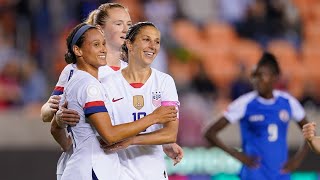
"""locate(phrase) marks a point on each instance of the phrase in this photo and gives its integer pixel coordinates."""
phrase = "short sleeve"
(170, 90)
(236, 110)
(64, 77)
(92, 98)
(298, 112)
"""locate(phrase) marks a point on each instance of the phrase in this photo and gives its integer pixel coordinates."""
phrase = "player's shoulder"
(113, 77)
(160, 75)
(69, 67)
(283, 94)
(83, 78)
(247, 97)
(66, 74)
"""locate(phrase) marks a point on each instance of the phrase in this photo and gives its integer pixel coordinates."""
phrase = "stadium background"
(208, 46)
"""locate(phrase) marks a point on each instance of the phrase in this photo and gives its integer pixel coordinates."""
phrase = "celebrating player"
(114, 20)
(85, 94)
(137, 91)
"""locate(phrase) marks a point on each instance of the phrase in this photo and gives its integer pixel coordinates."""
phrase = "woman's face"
(93, 49)
(263, 79)
(116, 27)
(146, 45)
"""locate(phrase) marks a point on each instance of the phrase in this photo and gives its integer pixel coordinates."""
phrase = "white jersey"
(70, 69)
(127, 104)
(85, 94)
(65, 76)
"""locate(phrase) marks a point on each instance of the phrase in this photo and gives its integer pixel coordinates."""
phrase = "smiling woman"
(142, 89)
(85, 95)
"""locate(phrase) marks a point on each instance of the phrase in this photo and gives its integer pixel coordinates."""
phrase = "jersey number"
(273, 132)
(138, 115)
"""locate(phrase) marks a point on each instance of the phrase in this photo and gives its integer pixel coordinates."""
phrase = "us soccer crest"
(156, 98)
(138, 101)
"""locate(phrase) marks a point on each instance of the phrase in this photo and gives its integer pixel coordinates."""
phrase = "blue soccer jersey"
(264, 125)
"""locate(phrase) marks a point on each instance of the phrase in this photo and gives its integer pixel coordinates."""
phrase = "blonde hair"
(99, 16)
(91, 18)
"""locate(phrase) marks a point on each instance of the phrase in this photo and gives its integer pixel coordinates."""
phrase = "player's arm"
(298, 113)
(61, 119)
(52, 105)
(309, 133)
(211, 134)
(50, 108)
(165, 135)
(294, 162)
(59, 134)
(112, 134)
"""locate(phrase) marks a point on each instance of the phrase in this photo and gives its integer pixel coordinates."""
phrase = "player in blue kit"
(264, 115)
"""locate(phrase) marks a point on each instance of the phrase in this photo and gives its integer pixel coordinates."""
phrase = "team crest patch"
(138, 101)
(284, 115)
(156, 98)
(93, 91)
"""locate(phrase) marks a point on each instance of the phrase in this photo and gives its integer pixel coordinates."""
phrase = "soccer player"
(309, 133)
(85, 94)
(137, 91)
(264, 115)
(114, 20)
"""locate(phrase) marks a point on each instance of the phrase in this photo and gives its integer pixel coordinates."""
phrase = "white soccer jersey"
(127, 104)
(65, 76)
(70, 69)
(85, 94)
(104, 71)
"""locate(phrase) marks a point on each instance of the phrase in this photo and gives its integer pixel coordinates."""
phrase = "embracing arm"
(59, 134)
(165, 135)
(50, 108)
(112, 134)
(62, 118)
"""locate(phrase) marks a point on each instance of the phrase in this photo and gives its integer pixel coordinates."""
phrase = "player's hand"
(250, 161)
(67, 116)
(53, 103)
(173, 151)
(164, 114)
(117, 146)
(309, 131)
(291, 165)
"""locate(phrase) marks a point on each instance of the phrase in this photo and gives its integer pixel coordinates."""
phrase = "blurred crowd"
(208, 46)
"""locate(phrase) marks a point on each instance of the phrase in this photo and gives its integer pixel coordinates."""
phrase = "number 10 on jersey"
(138, 115)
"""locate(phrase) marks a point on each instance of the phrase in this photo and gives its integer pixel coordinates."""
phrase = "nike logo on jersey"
(115, 100)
